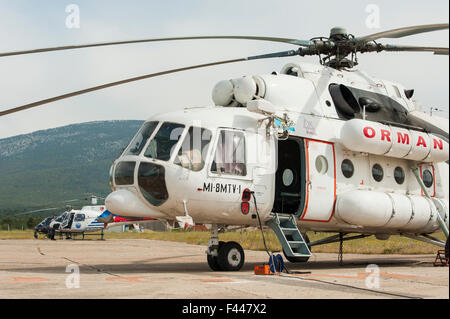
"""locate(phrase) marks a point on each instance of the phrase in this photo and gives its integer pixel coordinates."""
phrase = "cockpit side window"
(194, 149)
(162, 145)
(141, 138)
(61, 217)
(79, 217)
(230, 154)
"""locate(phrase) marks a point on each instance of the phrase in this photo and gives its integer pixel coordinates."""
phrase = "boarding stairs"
(290, 237)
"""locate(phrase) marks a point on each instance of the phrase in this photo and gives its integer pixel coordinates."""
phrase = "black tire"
(231, 256)
(446, 249)
(212, 263)
(298, 259)
(212, 260)
(35, 234)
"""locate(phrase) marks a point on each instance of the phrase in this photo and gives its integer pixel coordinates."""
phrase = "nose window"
(124, 173)
(151, 179)
(230, 154)
(141, 138)
(162, 145)
(194, 149)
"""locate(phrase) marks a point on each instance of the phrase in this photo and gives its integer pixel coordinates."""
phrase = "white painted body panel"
(321, 186)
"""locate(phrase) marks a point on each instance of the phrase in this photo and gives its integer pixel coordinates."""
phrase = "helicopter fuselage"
(345, 166)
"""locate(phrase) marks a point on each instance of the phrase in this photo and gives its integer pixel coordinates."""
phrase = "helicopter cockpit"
(65, 219)
(181, 157)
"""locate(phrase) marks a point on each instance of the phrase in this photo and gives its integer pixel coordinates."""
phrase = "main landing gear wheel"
(231, 256)
(35, 235)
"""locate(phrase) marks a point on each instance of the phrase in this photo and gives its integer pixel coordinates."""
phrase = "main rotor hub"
(338, 33)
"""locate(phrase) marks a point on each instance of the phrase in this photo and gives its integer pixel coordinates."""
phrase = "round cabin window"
(288, 177)
(321, 164)
(347, 168)
(427, 178)
(377, 172)
(399, 175)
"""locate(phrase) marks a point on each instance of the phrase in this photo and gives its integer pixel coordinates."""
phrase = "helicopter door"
(290, 177)
(69, 221)
(320, 182)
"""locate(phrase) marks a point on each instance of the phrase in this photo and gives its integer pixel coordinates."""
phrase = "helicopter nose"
(125, 203)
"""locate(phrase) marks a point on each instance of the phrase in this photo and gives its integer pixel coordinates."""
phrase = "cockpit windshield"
(141, 138)
(46, 221)
(161, 146)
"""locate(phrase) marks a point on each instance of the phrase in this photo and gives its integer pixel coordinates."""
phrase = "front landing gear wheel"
(212, 260)
(231, 256)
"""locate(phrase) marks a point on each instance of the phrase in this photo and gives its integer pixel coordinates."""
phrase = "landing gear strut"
(224, 256)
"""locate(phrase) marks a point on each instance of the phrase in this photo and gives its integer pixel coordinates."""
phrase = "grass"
(252, 240)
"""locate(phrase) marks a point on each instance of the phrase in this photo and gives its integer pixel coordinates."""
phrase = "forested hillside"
(44, 168)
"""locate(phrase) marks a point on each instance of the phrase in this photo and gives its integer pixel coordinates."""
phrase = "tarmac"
(152, 269)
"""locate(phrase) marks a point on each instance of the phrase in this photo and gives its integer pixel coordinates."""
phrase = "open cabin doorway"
(290, 179)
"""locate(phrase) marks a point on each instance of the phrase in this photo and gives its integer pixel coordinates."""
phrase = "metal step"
(282, 216)
(285, 227)
(288, 231)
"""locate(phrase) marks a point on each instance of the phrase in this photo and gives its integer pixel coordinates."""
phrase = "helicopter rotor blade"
(36, 211)
(403, 48)
(142, 77)
(402, 32)
(72, 47)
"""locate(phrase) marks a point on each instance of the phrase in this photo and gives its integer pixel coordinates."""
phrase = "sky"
(35, 24)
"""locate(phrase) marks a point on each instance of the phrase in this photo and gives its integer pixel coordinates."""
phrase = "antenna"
(434, 109)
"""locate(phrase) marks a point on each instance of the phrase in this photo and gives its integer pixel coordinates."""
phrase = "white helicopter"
(90, 218)
(315, 147)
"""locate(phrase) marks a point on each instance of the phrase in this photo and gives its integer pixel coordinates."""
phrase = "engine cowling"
(379, 139)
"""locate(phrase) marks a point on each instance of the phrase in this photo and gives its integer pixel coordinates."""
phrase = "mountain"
(47, 167)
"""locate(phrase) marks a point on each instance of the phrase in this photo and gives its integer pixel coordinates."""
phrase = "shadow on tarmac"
(156, 265)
